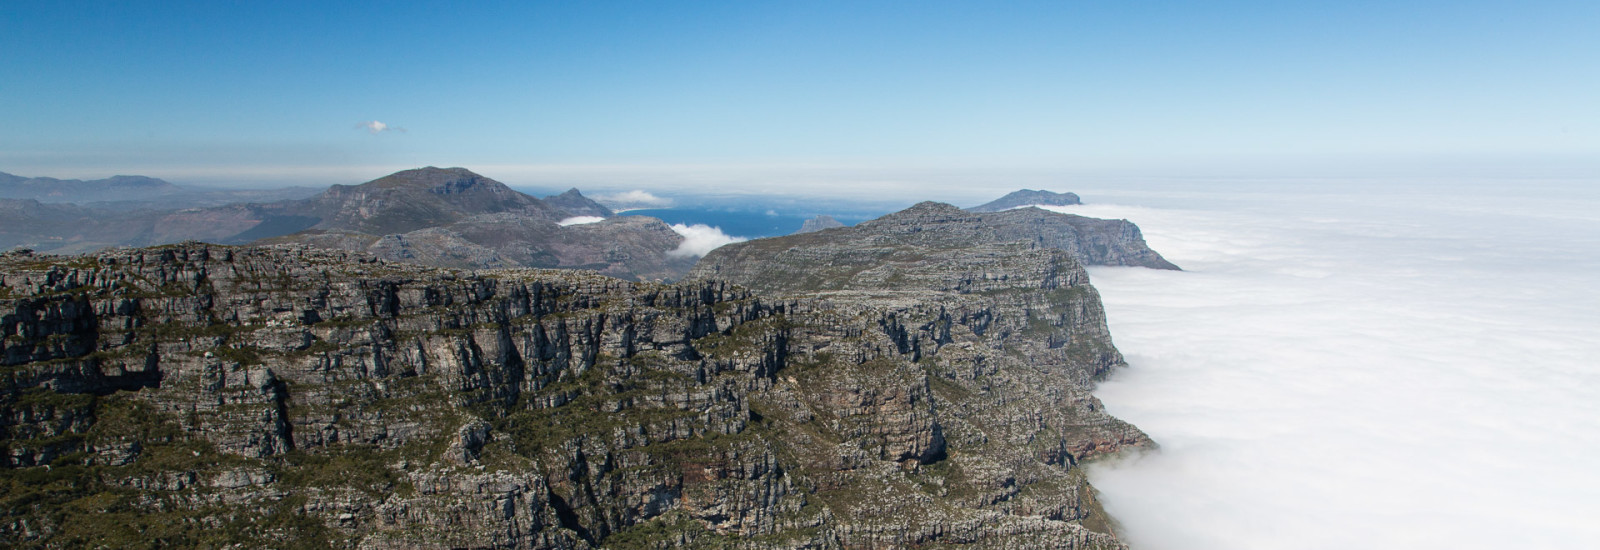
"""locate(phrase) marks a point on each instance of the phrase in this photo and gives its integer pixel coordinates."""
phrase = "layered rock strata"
(208, 396)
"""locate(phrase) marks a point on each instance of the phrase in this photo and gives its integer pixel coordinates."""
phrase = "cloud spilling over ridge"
(375, 127)
(632, 200)
(580, 220)
(1407, 370)
(698, 239)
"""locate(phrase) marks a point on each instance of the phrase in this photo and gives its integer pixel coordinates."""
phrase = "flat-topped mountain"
(819, 223)
(1027, 197)
(832, 258)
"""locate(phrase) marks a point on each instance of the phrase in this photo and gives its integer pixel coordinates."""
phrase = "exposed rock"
(574, 203)
(212, 396)
(416, 199)
(1027, 197)
(819, 223)
(805, 261)
(626, 247)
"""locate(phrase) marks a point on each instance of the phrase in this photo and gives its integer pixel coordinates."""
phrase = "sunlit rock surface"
(199, 395)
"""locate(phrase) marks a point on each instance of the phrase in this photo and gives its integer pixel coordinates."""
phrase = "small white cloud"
(580, 220)
(699, 239)
(633, 200)
(375, 127)
(772, 212)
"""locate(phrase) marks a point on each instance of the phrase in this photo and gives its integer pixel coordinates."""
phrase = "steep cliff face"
(200, 395)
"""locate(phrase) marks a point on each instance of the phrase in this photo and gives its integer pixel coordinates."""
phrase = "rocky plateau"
(917, 381)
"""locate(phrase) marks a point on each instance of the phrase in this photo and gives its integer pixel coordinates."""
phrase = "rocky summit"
(211, 396)
(1028, 197)
(573, 203)
(819, 223)
(452, 217)
(881, 252)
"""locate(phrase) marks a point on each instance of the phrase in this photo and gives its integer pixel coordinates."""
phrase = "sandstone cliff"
(206, 396)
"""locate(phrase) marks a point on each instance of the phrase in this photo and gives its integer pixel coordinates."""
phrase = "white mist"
(1391, 367)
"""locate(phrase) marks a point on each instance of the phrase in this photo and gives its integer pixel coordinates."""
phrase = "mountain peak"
(819, 223)
(574, 203)
(436, 180)
(413, 199)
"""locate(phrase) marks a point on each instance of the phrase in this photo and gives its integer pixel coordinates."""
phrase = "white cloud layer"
(375, 127)
(1407, 369)
(698, 239)
(580, 220)
(632, 200)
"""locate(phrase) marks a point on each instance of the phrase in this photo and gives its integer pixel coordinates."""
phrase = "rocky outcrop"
(416, 199)
(199, 395)
(457, 219)
(800, 262)
(573, 203)
(819, 223)
(1027, 197)
(627, 247)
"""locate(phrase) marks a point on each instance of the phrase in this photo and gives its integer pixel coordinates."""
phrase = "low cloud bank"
(1413, 369)
(580, 220)
(633, 200)
(698, 239)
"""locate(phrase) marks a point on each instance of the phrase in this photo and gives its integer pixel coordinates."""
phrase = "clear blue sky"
(274, 91)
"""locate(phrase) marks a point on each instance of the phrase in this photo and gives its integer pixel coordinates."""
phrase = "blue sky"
(739, 92)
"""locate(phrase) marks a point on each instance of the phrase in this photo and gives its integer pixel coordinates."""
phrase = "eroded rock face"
(200, 395)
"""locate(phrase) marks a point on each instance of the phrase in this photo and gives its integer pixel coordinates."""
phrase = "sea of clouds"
(699, 239)
(1395, 366)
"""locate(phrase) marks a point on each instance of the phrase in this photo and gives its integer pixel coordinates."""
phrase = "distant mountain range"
(452, 217)
(115, 188)
(135, 192)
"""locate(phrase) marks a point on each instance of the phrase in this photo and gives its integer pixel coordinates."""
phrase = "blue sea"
(747, 224)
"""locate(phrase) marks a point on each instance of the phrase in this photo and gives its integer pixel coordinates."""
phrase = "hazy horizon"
(732, 95)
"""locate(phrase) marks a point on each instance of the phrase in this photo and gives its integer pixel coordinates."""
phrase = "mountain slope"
(415, 199)
(1027, 197)
(573, 203)
(823, 258)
